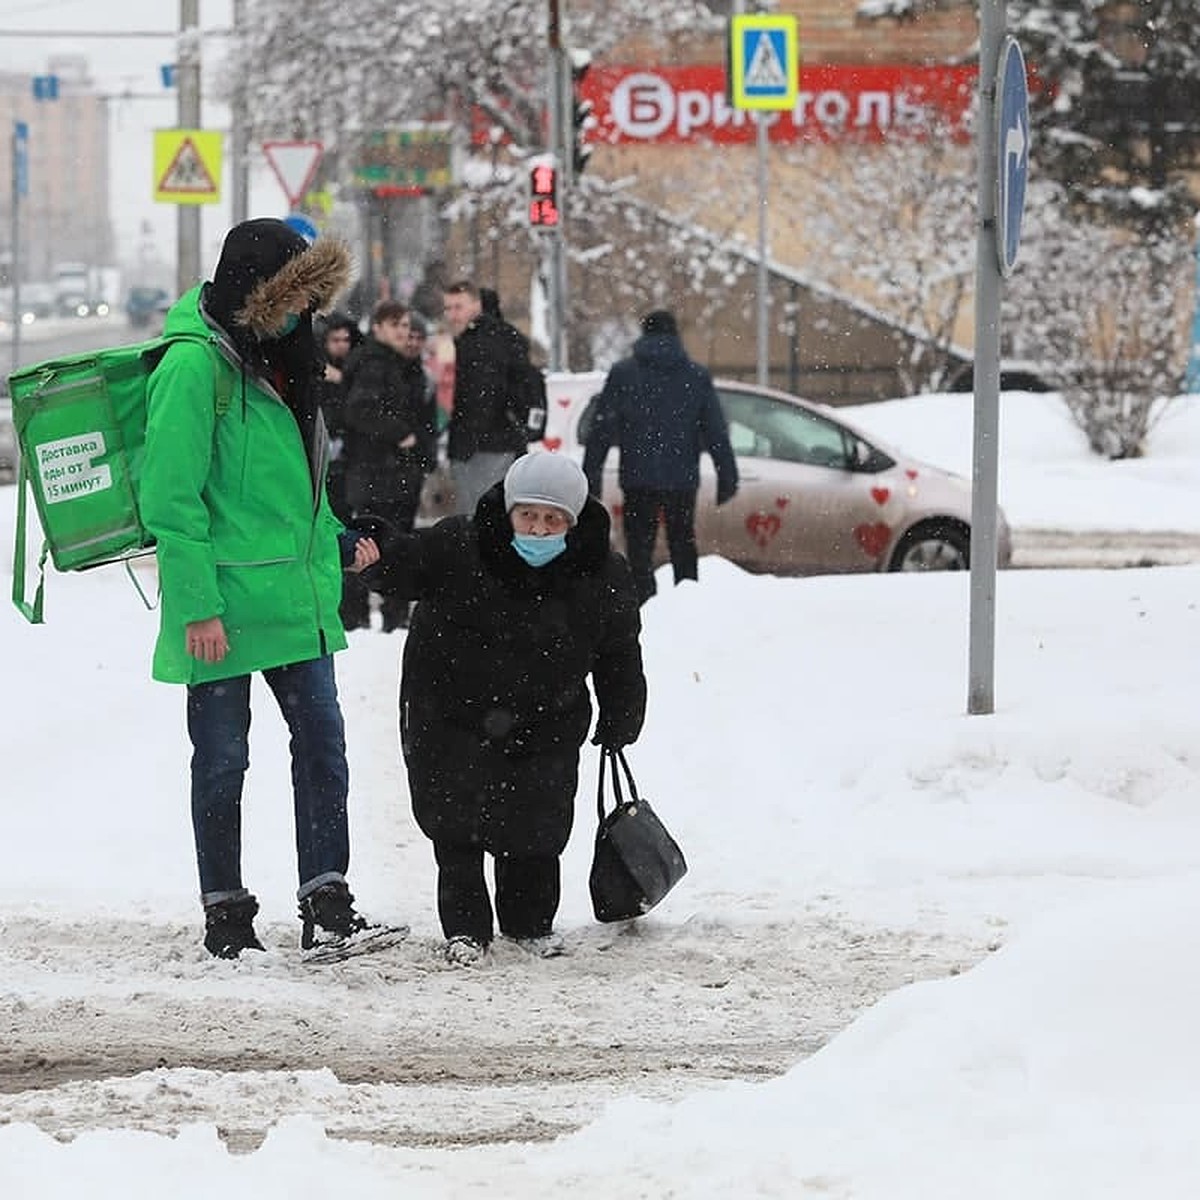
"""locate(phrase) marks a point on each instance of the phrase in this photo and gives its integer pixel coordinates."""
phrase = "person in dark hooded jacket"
(496, 395)
(250, 565)
(517, 607)
(662, 410)
(389, 434)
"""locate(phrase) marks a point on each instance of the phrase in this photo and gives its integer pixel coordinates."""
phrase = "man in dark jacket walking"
(492, 400)
(517, 607)
(662, 410)
(389, 436)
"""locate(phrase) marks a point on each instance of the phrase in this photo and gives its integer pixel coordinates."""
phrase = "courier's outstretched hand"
(366, 554)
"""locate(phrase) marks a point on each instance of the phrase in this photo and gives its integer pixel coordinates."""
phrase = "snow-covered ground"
(918, 954)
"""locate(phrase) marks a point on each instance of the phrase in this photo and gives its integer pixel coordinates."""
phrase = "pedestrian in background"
(661, 409)
(418, 342)
(249, 564)
(389, 445)
(340, 337)
(516, 608)
(531, 382)
(492, 395)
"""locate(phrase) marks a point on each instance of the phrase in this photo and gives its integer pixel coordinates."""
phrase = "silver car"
(819, 496)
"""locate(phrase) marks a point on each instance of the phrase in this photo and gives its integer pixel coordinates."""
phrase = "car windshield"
(763, 427)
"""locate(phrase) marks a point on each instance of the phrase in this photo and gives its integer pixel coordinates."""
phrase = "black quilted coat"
(494, 703)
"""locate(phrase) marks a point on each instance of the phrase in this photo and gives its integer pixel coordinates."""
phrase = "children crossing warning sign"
(764, 67)
(187, 166)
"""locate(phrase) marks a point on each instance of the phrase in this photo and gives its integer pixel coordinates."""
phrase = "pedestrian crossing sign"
(764, 61)
(187, 166)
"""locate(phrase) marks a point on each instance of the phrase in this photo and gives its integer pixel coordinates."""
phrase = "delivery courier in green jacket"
(250, 563)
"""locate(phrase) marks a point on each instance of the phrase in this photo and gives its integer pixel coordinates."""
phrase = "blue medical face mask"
(538, 551)
(289, 324)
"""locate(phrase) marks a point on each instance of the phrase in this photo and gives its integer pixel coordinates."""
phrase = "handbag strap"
(618, 757)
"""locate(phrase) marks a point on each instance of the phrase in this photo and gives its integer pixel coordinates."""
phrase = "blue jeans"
(218, 719)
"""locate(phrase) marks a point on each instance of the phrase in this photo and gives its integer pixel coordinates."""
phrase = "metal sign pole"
(981, 669)
(763, 76)
(763, 373)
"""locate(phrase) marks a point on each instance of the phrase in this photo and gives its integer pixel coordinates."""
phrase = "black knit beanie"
(253, 251)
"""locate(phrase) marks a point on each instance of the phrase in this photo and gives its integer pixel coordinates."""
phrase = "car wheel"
(933, 546)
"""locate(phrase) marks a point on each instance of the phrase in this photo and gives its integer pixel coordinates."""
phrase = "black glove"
(367, 524)
(606, 739)
(726, 490)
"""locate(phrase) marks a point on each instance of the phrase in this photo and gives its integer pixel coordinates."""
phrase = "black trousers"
(642, 511)
(527, 893)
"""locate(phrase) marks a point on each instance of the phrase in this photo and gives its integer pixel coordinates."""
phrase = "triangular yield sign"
(766, 70)
(295, 166)
(187, 173)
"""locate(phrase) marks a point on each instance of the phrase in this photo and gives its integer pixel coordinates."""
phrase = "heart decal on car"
(873, 538)
(762, 527)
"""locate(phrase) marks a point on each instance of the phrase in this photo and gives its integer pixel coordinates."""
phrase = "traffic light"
(583, 119)
(544, 212)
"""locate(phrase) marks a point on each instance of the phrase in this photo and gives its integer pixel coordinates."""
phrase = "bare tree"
(1107, 314)
(895, 224)
(393, 61)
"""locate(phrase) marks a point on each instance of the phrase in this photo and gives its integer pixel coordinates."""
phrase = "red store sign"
(640, 105)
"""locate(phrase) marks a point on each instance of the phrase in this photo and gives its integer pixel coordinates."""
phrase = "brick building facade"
(838, 350)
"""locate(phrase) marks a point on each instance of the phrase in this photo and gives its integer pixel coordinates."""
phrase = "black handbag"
(636, 861)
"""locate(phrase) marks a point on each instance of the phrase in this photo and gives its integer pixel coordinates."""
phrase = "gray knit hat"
(544, 477)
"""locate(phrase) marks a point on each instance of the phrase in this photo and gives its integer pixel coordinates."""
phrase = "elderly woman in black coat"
(517, 607)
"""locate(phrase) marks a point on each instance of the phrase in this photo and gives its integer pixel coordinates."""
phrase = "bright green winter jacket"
(242, 523)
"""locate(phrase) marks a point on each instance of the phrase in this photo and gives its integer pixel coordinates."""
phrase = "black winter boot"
(229, 927)
(331, 907)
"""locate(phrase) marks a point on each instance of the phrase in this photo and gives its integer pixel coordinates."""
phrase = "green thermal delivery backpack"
(81, 429)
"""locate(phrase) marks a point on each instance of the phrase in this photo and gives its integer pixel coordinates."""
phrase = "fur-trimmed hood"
(266, 271)
(310, 282)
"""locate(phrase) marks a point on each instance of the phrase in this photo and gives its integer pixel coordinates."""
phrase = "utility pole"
(187, 258)
(556, 266)
(239, 149)
(20, 177)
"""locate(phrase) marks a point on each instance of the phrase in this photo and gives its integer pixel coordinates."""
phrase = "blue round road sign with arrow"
(1012, 151)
